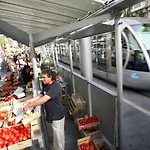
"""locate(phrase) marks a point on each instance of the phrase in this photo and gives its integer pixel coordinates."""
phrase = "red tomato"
(83, 146)
(10, 143)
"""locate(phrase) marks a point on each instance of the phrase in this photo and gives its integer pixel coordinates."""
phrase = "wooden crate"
(35, 130)
(20, 145)
(76, 112)
(102, 145)
(94, 132)
(85, 140)
(4, 148)
(87, 125)
(78, 100)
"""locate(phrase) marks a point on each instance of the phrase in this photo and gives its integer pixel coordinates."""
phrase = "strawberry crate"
(101, 145)
(87, 122)
(86, 143)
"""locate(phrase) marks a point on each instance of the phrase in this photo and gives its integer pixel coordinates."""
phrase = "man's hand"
(26, 105)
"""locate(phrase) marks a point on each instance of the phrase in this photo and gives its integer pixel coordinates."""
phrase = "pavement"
(136, 118)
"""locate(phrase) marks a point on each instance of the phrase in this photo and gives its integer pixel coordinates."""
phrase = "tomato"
(83, 146)
(25, 138)
(91, 143)
(82, 121)
(21, 127)
(6, 137)
(90, 147)
(10, 143)
(1, 146)
(29, 136)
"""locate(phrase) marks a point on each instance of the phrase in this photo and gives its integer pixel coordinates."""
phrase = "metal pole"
(89, 98)
(119, 81)
(54, 58)
(71, 66)
(34, 63)
(56, 54)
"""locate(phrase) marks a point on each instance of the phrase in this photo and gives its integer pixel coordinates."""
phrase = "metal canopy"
(50, 35)
(104, 14)
(38, 15)
(90, 31)
(48, 19)
(14, 32)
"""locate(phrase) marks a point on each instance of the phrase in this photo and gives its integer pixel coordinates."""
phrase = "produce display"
(9, 98)
(14, 134)
(3, 115)
(84, 123)
(90, 129)
(86, 144)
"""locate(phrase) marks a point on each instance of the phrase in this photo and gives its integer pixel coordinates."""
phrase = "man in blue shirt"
(51, 97)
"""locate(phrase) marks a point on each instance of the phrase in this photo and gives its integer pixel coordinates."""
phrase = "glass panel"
(124, 49)
(101, 54)
(143, 30)
(137, 60)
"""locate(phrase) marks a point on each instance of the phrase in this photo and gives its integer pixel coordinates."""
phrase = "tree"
(3, 42)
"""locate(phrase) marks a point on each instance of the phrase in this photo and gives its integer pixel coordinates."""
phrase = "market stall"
(19, 129)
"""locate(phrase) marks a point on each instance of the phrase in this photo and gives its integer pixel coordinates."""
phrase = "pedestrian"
(51, 97)
(25, 76)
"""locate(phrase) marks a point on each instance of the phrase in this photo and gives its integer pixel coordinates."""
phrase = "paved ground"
(136, 119)
(71, 133)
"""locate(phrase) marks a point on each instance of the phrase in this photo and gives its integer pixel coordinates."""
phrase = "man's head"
(48, 76)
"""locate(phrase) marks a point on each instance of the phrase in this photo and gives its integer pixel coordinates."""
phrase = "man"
(51, 97)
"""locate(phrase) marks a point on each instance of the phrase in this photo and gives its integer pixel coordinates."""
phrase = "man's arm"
(32, 99)
(39, 101)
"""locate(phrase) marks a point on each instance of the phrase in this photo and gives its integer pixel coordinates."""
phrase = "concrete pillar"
(86, 66)
(86, 58)
(36, 85)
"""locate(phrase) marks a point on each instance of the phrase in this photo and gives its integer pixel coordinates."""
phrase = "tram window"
(124, 50)
(137, 60)
(101, 54)
(58, 52)
(143, 31)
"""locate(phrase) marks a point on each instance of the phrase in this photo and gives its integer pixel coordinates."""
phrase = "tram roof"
(47, 19)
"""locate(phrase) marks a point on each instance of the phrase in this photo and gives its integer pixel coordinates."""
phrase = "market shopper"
(51, 97)
(25, 76)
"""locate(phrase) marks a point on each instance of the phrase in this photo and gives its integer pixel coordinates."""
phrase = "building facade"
(141, 9)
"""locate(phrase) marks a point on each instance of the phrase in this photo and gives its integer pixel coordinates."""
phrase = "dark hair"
(25, 68)
(49, 73)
